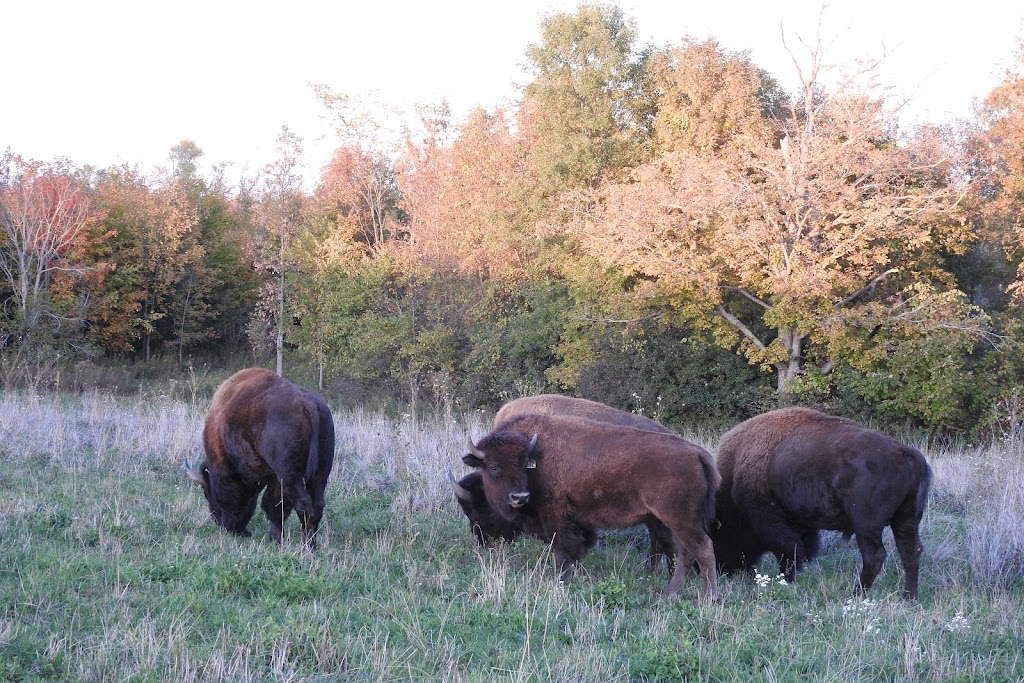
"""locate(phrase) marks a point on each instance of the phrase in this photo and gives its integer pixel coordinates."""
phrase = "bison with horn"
(264, 434)
(489, 527)
(567, 476)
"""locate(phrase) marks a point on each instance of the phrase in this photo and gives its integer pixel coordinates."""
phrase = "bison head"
(231, 506)
(488, 526)
(502, 460)
(737, 548)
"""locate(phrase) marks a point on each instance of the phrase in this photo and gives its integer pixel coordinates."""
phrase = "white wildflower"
(958, 623)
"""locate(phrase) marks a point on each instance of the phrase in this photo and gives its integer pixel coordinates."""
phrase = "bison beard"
(789, 473)
(582, 475)
(265, 434)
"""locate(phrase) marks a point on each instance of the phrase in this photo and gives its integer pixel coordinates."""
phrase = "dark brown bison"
(567, 476)
(788, 473)
(488, 526)
(265, 433)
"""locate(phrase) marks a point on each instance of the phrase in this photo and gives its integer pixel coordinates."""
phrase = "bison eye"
(494, 468)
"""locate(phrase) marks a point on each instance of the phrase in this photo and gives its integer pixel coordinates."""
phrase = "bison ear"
(472, 460)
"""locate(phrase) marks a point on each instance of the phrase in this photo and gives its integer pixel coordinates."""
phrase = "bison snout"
(518, 499)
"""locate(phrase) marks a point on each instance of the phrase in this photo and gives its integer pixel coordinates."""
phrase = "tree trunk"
(790, 370)
(280, 309)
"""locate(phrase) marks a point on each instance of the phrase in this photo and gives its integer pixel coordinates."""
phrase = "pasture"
(111, 570)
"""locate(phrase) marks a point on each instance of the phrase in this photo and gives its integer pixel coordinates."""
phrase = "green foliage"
(590, 93)
(459, 274)
(935, 370)
(674, 661)
(511, 338)
(677, 378)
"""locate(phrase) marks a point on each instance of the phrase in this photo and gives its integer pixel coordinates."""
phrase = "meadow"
(111, 570)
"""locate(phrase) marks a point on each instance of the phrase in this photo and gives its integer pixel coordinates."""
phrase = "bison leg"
(310, 523)
(812, 544)
(694, 545)
(784, 542)
(793, 558)
(660, 546)
(872, 553)
(690, 543)
(277, 508)
(908, 543)
(569, 544)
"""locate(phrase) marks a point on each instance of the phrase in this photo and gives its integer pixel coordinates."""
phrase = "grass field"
(110, 570)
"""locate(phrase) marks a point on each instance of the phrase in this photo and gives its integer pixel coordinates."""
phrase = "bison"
(567, 476)
(264, 433)
(556, 404)
(488, 526)
(789, 473)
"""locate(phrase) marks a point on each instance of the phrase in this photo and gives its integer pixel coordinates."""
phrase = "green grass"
(110, 570)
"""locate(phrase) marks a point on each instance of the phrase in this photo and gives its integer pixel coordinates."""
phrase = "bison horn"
(460, 491)
(533, 445)
(474, 450)
(194, 475)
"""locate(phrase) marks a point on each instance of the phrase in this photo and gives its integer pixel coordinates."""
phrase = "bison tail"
(709, 513)
(313, 460)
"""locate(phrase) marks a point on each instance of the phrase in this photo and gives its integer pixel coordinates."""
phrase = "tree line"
(662, 228)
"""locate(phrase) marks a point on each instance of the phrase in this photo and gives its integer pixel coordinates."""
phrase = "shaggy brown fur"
(265, 433)
(488, 526)
(592, 475)
(556, 404)
(788, 473)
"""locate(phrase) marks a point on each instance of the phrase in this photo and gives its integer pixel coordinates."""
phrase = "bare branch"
(738, 324)
(868, 287)
(747, 294)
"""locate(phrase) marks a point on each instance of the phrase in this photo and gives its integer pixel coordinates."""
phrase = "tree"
(278, 214)
(184, 167)
(169, 254)
(999, 149)
(588, 103)
(116, 320)
(709, 98)
(362, 189)
(172, 266)
(361, 178)
(325, 257)
(795, 228)
(46, 214)
(468, 200)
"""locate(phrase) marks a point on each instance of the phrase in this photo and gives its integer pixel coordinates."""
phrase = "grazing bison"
(265, 433)
(788, 473)
(488, 526)
(568, 476)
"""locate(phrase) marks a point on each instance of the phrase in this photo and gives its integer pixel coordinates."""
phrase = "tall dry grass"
(111, 570)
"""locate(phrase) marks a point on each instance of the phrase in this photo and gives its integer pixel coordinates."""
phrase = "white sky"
(111, 81)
